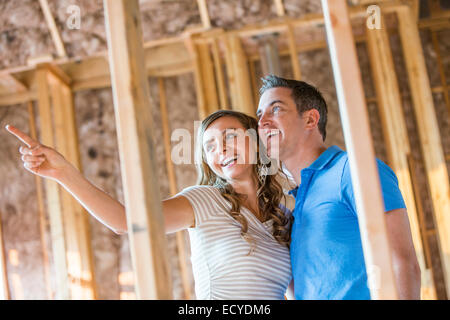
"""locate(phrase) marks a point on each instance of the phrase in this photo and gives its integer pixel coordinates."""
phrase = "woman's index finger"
(30, 142)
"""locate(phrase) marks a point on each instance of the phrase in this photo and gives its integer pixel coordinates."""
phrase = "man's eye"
(209, 148)
(230, 135)
(275, 109)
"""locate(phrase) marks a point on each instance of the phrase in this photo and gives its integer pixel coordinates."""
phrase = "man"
(326, 250)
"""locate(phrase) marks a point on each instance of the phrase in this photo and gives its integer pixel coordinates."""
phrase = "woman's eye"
(209, 148)
(230, 135)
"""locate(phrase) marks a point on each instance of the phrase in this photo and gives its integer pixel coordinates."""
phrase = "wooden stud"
(427, 126)
(4, 290)
(202, 104)
(445, 88)
(180, 235)
(76, 224)
(204, 15)
(417, 188)
(280, 8)
(240, 79)
(41, 209)
(134, 129)
(255, 89)
(396, 136)
(207, 78)
(229, 65)
(56, 37)
(293, 52)
(361, 154)
(219, 75)
(52, 189)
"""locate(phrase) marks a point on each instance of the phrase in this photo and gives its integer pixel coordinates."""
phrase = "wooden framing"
(239, 77)
(396, 136)
(52, 190)
(293, 53)
(180, 235)
(429, 136)
(68, 221)
(219, 75)
(41, 209)
(4, 285)
(280, 8)
(204, 15)
(168, 57)
(76, 224)
(361, 154)
(135, 139)
(445, 87)
(206, 80)
(56, 37)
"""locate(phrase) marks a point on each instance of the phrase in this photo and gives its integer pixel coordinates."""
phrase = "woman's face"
(229, 149)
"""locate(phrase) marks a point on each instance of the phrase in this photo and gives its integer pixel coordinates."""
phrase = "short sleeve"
(392, 196)
(203, 201)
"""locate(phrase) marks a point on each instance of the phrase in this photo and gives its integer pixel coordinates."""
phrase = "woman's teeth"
(229, 161)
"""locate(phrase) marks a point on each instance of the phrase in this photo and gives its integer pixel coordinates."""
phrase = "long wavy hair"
(269, 191)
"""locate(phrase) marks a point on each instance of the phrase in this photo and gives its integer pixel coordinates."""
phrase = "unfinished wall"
(23, 34)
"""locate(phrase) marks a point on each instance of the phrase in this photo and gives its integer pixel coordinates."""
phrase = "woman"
(239, 234)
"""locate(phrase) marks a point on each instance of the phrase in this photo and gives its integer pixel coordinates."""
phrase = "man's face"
(280, 127)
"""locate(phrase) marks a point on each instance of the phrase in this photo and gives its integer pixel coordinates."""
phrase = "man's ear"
(312, 118)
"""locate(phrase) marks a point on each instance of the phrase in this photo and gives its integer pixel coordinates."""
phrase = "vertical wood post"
(68, 220)
(361, 155)
(396, 136)
(428, 128)
(76, 224)
(4, 290)
(52, 190)
(41, 208)
(173, 186)
(239, 77)
(134, 130)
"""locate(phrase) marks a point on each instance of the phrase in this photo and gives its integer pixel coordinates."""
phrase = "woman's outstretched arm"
(48, 163)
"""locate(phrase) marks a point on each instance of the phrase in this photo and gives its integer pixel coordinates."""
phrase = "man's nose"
(263, 120)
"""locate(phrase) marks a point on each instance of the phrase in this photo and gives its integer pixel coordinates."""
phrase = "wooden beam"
(56, 37)
(204, 15)
(293, 52)
(429, 135)
(279, 6)
(4, 291)
(239, 77)
(76, 224)
(418, 190)
(361, 154)
(437, 51)
(222, 90)
(41, 209)
(134, 129)
(396, 136)
(207, 77)
(11, 83)
(52, 189)
(180, 235)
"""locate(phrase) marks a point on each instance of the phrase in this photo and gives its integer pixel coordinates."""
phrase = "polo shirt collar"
(325, 158)
(320, 163)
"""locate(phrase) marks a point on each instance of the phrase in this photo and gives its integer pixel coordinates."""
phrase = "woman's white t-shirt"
(221, 263)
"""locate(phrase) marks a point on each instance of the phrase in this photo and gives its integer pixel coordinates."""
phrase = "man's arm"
(404, 259)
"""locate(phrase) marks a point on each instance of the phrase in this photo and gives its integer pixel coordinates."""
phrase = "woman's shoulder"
(201, 189)
(206, 201)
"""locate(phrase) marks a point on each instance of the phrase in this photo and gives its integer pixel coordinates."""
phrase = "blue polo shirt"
(326, 251)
